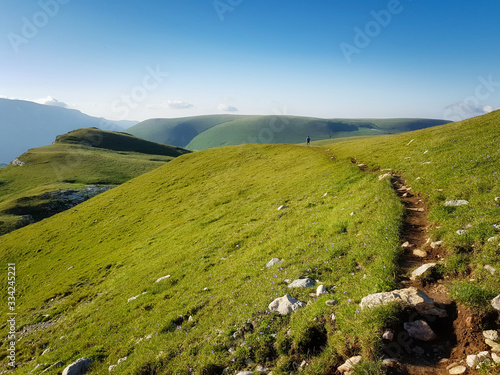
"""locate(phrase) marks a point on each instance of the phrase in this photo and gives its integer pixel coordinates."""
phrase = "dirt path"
(459, 333)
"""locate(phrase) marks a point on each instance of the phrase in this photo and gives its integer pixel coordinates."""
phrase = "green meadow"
(209, 221)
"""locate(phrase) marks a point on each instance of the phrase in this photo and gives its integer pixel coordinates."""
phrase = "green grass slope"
(177, 131)
(203, 132)
(457, 161)
(81, 157)
(210, 220)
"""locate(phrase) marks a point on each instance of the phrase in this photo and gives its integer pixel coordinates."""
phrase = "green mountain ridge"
(75, 160)
(169, 268)
(202, 132)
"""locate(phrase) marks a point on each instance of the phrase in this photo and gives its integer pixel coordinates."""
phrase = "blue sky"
(326, 58)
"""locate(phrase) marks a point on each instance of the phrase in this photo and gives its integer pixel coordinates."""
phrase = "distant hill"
(202, 132)
(74, 161)
(25, 125)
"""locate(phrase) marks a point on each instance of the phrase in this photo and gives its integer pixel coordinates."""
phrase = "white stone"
(492, 335)
(495, 357)
(81, 366)
(282, 207)
(420, 253)
(245, 373)
(321, 290)
(493, 239)
(458, 370)
(495, 346)
(273, 261)
(162, 278)
(261, 369)
(456, 203)
(436, 244)
(406, 244)
(302, 283)
(420, 330)
(495, 303)
(490, 269)
(334, 317)
(331, 302)
(388, 335)
(349, 364)
(111, 368)
(410, 296)
(286, 305)
(421, 270)
(122, 360)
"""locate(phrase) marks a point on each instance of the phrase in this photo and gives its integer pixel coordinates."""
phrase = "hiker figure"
(308, 141)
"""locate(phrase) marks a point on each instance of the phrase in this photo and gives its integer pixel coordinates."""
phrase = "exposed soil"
(460, 333)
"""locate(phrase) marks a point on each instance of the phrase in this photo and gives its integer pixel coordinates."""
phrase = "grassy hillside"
(202, 132)
(82, 157)
(210, 222)
(177, 131)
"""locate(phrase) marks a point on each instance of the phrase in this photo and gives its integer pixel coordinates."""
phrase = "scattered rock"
(81, 366)
(273, 261)
(112, 368)
(497, 199)
(492, 335)
(406, 245)
(321, 290)
(282, 207)
(381, 177)
(420, 253)
(420, 330)
(493, 239)
(410, 296)
(421, 270)
(331, 302)
(436, 244)
(430, 309)
(458, 370)
(388, 335)
(261, 369)
(245, 373)
(302, 283)
(476, 360)
(348, 365)
(495, 357)
(286, 305)
(162, 278)
(135, 297)
(17, 162)
(390, 363)
(495, 346)
(122, 360)
(456, 203)
(495, 303)
(334, 317)
(490, 269)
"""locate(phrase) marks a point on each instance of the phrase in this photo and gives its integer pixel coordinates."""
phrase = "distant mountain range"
(203, 132)
(25, 124)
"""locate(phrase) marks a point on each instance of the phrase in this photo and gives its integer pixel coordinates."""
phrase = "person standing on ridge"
(308, 141)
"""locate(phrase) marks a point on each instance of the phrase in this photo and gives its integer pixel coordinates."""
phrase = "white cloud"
(171, 104)
(461, 111)
(49, 100)
(226, 108)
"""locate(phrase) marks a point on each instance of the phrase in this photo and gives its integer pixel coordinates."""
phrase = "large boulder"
(286, 305)
(409, 296)
(80, 367)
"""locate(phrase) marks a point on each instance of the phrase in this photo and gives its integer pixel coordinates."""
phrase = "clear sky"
(326, 58)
